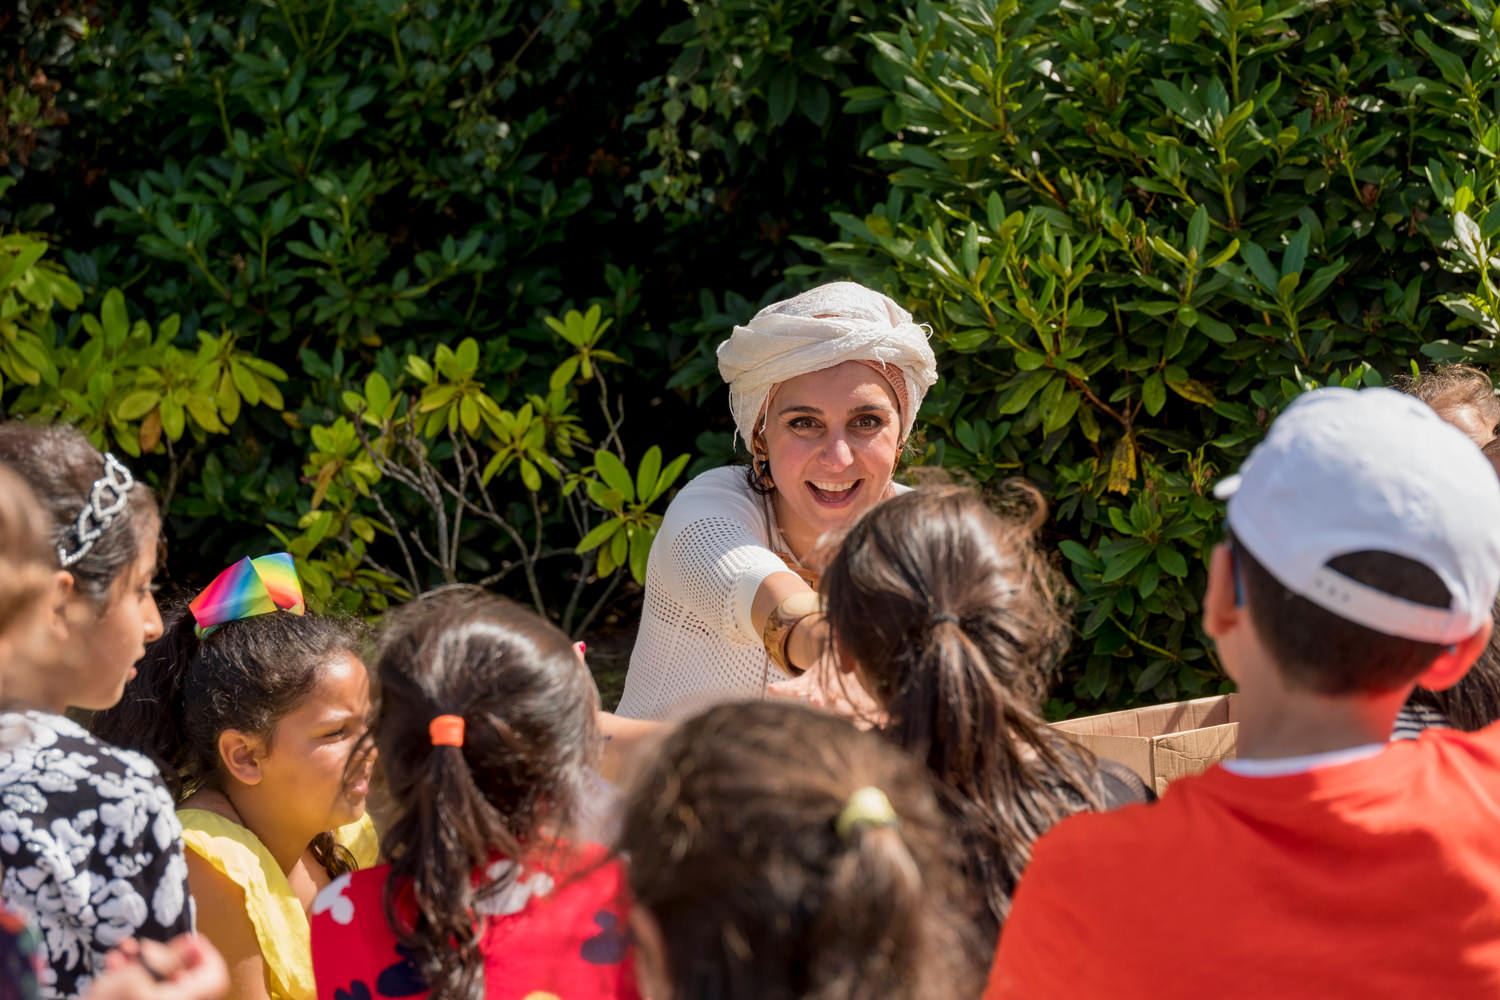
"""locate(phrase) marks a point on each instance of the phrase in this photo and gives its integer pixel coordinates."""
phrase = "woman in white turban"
(824, 388)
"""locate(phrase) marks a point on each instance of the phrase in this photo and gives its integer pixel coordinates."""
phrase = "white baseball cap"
(1349, 471)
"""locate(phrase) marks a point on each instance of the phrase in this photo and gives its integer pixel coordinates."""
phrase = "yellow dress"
(280, 923)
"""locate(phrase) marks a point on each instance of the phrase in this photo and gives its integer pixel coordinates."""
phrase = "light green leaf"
(377, 392)
(114, 317)
(640, 551)
(645, 476)
(614, 473)
(668, 477)
(530, 476)
(137, 404)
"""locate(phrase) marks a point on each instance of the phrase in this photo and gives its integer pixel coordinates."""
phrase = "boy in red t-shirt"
(1362, 557)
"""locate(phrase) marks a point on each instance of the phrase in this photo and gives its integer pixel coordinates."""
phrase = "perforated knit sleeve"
(697, 644)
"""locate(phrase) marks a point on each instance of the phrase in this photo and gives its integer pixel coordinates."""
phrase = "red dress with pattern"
(557, 932)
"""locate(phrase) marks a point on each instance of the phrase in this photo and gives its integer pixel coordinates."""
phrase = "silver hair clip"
(106, 500)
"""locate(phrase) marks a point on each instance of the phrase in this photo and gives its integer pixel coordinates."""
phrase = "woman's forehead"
(844, 386)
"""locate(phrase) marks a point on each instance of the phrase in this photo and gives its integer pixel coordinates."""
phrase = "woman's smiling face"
(832, 437)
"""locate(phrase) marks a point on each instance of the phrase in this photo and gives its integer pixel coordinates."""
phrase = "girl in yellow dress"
(252, 709)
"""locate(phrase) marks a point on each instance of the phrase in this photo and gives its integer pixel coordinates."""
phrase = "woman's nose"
(838, 453)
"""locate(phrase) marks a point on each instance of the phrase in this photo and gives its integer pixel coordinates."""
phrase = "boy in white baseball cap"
(1362, 557)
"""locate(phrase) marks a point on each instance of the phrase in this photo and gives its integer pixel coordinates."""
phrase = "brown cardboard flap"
(1177, 755)
(1155, 720)
(1161, 743)
(1132, 751)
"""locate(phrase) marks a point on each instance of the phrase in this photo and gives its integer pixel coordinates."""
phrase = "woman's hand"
(824, 686)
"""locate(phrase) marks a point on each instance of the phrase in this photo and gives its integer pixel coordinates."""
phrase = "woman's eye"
(869, 423)
(803, 423)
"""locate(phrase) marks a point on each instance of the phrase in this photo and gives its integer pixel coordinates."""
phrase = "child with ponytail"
(253, 708)
(779, 853)
(485, 731)
(89, 846)
(953, 621)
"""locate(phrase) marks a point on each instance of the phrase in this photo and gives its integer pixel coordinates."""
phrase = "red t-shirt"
(1374, 878)
(555, 930)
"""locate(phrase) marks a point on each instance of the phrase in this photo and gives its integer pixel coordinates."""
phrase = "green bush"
(433, 288)
(417, 460)
(341, 192)
(1139, 228)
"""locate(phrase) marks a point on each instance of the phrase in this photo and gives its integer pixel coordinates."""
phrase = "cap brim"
(1226, 487)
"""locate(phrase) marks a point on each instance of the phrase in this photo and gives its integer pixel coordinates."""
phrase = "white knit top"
(696, 646)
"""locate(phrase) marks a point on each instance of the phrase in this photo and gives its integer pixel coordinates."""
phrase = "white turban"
(818, 329)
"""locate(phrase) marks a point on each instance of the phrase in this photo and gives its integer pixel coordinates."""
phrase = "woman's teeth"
(833, 492)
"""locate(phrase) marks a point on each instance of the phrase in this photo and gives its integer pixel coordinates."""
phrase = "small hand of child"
(186, 968)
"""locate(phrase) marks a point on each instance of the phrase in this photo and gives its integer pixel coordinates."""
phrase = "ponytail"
(755, 852)
(955, 622)
(442, 837)
(463, 811)
(875, 893)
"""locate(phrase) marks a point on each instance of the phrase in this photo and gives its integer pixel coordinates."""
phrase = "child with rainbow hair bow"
(253, 709)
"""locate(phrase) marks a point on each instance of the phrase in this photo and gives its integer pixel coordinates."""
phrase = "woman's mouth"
(834, 494)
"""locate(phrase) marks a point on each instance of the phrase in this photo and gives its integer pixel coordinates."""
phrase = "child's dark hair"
(61, 467)
(760, 893)
(26, 559)
(1321, 652)
(244, 675)
(528, 705)
(955, 622)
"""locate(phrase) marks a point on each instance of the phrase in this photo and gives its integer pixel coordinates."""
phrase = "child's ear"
(1223, 608)
(59, 594)
(241, 754)
(1455, 660)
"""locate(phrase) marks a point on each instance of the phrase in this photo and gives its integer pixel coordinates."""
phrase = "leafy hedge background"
(428, 291)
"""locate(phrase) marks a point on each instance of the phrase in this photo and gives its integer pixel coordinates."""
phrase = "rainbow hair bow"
(249, 588)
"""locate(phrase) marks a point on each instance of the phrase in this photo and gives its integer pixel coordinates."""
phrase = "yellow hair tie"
(868, 806)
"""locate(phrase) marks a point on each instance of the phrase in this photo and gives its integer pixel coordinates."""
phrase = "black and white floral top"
(90, 846)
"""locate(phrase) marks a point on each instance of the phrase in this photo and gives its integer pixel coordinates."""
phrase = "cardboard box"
(1163, 742)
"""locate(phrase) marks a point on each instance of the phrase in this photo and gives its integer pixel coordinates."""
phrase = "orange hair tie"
(447, 731)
